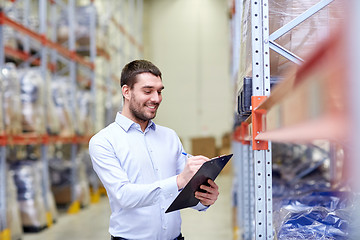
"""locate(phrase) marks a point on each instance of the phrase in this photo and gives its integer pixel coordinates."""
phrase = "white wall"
(189, 41)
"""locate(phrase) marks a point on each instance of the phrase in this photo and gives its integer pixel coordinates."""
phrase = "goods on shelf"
(304, 38)
(305, 206)
(61, 97)
(82, 26)
(13, 211)
(26, 16)
(301, 40)
(32, 90)
(61, 178)
(313, 215)
(30, 195)
(84, 112)
(23, 42)
(295, 161)
(93, 178)
(11, 99)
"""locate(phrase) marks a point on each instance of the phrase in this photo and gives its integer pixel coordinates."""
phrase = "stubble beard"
(142, 116)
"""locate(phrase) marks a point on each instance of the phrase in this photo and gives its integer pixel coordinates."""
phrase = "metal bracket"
(258, 122)
(244, 132)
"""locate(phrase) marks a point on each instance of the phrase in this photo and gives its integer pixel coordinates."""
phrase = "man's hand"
(191, 167)
(210, 196)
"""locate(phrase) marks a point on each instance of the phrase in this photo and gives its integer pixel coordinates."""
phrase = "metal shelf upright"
(261, 89)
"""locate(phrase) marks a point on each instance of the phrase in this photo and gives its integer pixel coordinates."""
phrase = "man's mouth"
(152, 106)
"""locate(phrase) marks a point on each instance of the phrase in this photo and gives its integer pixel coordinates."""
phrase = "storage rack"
(314, 83)
(105, 77)
(122, 29)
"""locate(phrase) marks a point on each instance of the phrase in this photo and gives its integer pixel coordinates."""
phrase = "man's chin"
(151, 116)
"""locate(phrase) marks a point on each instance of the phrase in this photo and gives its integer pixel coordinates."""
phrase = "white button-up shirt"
(138, 170)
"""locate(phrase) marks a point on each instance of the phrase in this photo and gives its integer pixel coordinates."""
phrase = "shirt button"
(164, 228)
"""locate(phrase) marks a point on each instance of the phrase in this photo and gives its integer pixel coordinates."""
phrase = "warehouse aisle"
(216, 222)
(92, 223)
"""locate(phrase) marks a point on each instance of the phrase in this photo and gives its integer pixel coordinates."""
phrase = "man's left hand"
(211, 193)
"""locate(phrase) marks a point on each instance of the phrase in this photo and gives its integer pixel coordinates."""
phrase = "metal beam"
(298, 20)
(285, 53)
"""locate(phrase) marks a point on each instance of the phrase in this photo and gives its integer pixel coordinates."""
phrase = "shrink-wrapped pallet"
(85, 112)
(30, 197)
(62, 101)
(11, 99)
(32, 100)
(12, 209)
(61, 179)
(302, 40)
(27, 16)
(306, 37)
(81, 25)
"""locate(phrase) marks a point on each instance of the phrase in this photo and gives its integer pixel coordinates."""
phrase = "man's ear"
(126, 91)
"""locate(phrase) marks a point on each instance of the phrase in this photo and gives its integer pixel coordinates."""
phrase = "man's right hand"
(191, 167)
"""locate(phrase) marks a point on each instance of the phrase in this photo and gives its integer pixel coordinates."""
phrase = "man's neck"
(143, 124)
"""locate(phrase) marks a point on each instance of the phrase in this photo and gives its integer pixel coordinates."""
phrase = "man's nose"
(156, 97)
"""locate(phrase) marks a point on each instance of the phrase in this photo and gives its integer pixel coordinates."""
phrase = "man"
(141, 164)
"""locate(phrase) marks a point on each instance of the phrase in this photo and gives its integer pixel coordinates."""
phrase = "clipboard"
(209, 170)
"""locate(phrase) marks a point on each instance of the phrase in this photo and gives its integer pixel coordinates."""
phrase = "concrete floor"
(92, 223)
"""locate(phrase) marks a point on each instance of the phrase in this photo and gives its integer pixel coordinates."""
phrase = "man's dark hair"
(132, 69)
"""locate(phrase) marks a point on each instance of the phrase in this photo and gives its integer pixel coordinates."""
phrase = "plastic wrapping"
(319, 215)
(30, 197)
(61, 175)
(82, 26)
(11, 97)
(13, 211)
(302, 40)
(294, 161)
(14, 38)
(305, 205)
(91, 175)
(32, 100)
(60, 88)
(85, 112)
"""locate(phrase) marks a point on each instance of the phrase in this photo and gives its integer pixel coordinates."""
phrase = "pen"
(187, 154)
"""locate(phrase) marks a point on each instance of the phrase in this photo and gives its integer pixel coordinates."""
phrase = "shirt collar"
(125, 123)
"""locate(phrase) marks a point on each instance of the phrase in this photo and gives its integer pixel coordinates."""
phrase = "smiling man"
(141, 164)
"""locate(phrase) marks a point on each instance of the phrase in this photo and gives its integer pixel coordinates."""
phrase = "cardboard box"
(205, 146)
(225, 151)
(226, 140)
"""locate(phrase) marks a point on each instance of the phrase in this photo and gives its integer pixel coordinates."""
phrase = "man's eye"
(147, 92)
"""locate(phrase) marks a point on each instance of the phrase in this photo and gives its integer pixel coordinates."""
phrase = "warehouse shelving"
(78, 65)
(36, 138)
(312, 88)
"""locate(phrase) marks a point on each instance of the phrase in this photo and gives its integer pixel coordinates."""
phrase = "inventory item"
(11, 97)
(82, 26)
(32, 90)
(61, 179)
(13, 210)
(30, 198)
(61, 98)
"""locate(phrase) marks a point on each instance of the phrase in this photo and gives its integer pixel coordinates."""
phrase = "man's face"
(145, 97)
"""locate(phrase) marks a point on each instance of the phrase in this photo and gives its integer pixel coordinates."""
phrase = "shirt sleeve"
(201, 207)
(116, 181)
